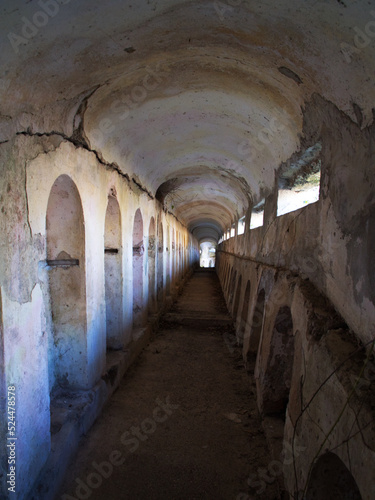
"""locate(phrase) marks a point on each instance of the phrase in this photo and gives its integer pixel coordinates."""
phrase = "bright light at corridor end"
(207, 254)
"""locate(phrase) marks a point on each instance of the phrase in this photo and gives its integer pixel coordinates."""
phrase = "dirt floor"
(183, 425)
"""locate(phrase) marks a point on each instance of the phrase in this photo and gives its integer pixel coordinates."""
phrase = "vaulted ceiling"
(198, 101)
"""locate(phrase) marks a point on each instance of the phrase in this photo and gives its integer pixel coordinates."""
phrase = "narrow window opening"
(299, 181)
(241, 226)
(257, 215)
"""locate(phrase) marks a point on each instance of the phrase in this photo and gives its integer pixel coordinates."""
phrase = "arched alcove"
(229, 281)
(278, 374)
(65, 232)
(138, 253)
(173, 257)
(223, 270)
(244, 312)
(151, 266)
(177, 253)
(231, 289)
(257, 323)
(237, 299)
(226, 277)
(184, 254)
(113, 274)
(168, 263)
(180, 254)
(160, 273)
(331, 479)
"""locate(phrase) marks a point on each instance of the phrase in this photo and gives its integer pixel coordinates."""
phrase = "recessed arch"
(277, 378)
(168, 276)
(65, 233)
(151, 266)
(173, 257)
(232, 289)
(244, 312)
(229, 280)
(237, 299)
(177, 253)
(138, 257)
(180, 254)
(113, 274)
(160, 263)
(226, 276)
(257, 322)
(331, 479)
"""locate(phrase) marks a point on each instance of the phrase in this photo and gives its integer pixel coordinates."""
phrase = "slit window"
(241, 226)
(257, 215)
(299, 181)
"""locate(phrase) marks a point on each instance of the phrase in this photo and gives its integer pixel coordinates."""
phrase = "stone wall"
(300, 291)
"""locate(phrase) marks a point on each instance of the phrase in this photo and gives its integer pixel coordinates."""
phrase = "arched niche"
(173, 256)
(65, 232)
(179, 254)
(244, 312)
(138, 253)
(256, 324)
(237, 299)
(226, 277)
(331, 479)
(151, 266)
(229, 281)
(113, 274)
(232, 289)
(160, 264)
(277, 378)
(169, 262)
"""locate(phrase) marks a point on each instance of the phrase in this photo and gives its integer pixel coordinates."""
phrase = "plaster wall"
(34, 164)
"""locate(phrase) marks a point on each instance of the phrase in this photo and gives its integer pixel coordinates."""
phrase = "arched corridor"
(140, 143)
(188, 431)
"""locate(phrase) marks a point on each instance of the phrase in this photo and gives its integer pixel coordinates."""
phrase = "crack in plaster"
(78, 143)
(27, 204)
